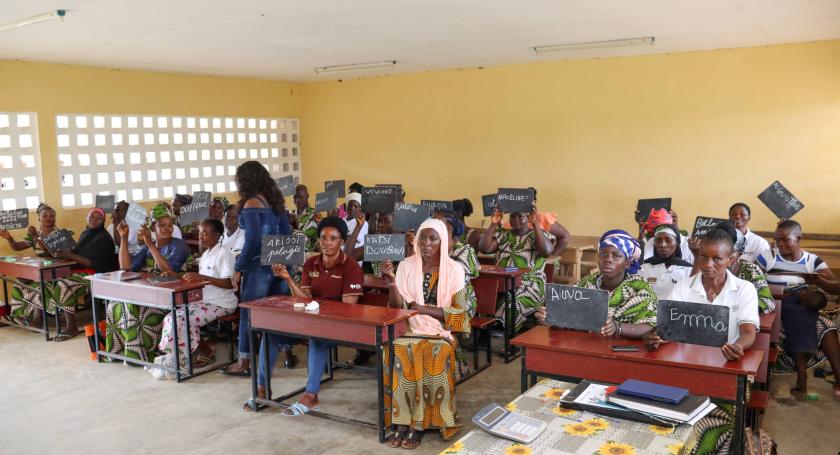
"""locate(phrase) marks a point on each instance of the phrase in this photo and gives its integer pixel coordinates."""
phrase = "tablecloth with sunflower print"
(573, 432)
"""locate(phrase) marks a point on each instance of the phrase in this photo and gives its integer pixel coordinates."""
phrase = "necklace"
(716, 292)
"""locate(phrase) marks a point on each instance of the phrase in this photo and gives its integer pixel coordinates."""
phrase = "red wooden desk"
(141, 291)
(574, 355)
(36, 269)
(360, 326)
(508, 282)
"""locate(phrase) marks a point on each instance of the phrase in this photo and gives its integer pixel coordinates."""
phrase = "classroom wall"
(49, 89)
(593, 136)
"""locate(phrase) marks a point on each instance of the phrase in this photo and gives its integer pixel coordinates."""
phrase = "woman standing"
(262, 212)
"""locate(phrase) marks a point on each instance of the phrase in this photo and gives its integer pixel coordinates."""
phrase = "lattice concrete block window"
(20, 161)
(149, 157)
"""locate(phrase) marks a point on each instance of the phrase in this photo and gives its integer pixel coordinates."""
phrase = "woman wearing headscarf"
(666, 266)
(217, 208)
(423, 378)
(632, 302)
(133, 330)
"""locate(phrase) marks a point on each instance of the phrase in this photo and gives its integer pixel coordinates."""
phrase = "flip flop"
(298, 409)
(63, 337)
(201, 361)
(246, 373)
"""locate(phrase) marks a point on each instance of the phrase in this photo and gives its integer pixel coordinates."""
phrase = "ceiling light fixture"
(539, 50)
(355, 66)
(55, 14)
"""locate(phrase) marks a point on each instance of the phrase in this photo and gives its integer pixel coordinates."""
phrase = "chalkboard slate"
(702, 226)
(286, 185)
(694, 323)
(135, 216)
(379, 199)
(569, 307)
(197, 211)
(644, 206)
(335, 185)
(489, 203)
(58, 240)
(283, 249)
(515, 200)
(437, 206)
(409, 216)
(781, 201)
(384, 247)
(106, 202)
(14, 219)
(326, 201)
(397, 189)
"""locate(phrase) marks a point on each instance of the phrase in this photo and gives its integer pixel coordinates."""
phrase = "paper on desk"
(595, 395)
(711, 407)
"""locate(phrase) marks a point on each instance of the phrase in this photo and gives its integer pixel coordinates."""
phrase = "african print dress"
(424, 374)
(632, 302)
(308, 227)
(521, 251)
(752, 273)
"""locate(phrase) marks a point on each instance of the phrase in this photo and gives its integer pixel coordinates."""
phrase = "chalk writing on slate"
(335, 185)
(489, 203)
(384, 247)
(201, 196)
(379, 199)
(58, 240)
(694, 323)
(196, 211)
(326, 201)
(283, 249)
(515, 200)
(106, 202)
(409, 216)
(437, 206)
(644, 206)
(781, 201)
(286, 185)
(398, 191)
(14, 219)
(702, 226)
(135, 216)
(570, 307)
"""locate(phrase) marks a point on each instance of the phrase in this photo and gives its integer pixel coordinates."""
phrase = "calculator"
(497, 420)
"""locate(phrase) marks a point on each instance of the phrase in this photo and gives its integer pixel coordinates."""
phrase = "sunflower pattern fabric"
(132, 330)
(521, 251)
(425, 370)
(750, 272)
(62, 293)
(632, 302)
(576, 432)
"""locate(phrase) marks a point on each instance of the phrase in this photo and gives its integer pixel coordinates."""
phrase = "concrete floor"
(57, 399)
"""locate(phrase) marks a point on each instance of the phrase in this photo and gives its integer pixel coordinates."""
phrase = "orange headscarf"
(409, 281)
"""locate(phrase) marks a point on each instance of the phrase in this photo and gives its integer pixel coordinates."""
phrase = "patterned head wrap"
(161, 210)
(97, 210)
(656, 218)
(223, 200)
(625, 243)
(452, 220)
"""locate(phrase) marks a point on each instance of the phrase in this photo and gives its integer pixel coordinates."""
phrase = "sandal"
(395, 439)
(412, 439)
(64, 337)
(201, 361)
(246, 373)
(298, 409)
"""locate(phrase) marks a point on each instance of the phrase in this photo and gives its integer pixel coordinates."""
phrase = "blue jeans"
(257, 282)
(319, 352)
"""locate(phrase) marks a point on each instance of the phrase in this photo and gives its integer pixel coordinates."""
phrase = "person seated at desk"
(648, 226)
(754, 244)
(632, 302)
(234, 238)
(303, 217)
(463, 208)
(666, 266)
(134, 330)
(431, 283)
(330, 275)
(809, 337)
(521, 247)
(217, 208)
(216, 266)
(34, 236)
(117, 216)
(384, 224)
(548, 222)
(715, 284)
(357, 228)
(748, 271)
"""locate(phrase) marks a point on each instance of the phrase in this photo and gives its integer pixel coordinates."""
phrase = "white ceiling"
(287, 39)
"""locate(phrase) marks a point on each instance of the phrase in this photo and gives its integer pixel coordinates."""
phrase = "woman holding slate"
(754, 244)
(262, 213)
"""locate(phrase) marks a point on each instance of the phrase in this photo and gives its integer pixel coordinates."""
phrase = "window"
(20, 161)
(138, 156)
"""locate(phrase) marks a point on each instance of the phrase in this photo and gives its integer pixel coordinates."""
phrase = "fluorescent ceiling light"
(539, 50)
(55, 14)
(355, 66)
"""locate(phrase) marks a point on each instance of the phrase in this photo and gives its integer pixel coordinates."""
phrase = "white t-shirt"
(737, 294)
(662, 278)
(754, 245)
(360, 240)
(133, 246)
(687, 255)
(234, 242)
(217, 262)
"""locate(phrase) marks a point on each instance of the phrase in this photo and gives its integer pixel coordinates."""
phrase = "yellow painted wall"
(49, 89)
(706, 128)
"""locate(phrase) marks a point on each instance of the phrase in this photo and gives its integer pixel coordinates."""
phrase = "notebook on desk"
(652, 391)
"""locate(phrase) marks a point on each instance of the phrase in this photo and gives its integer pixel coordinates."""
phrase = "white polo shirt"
(663, 278)
(754, 245)
(737, 294)
(687, 255)
(234, 242)
(217, 262)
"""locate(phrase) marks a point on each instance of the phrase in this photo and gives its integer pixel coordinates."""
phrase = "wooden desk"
(508, 282)
(36, 269)
(163, 296)
(574, 355)
(766, 322)
(360, 326)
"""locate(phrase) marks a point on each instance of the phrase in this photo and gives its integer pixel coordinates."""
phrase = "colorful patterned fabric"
(465, 255)
(36, 247)
(632, 302)
(308, 227)
(132, 330)
(521, 251)
(62, 293)
(712, 435)
(752, 273)
(201, 314)
(784, 362)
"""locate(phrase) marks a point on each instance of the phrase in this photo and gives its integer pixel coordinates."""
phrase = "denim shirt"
(258, 223)
(175, 252)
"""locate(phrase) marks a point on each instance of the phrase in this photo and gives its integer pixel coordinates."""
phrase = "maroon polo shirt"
(345, 278)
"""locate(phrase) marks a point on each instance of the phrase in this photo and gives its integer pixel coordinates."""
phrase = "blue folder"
(652, 391)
